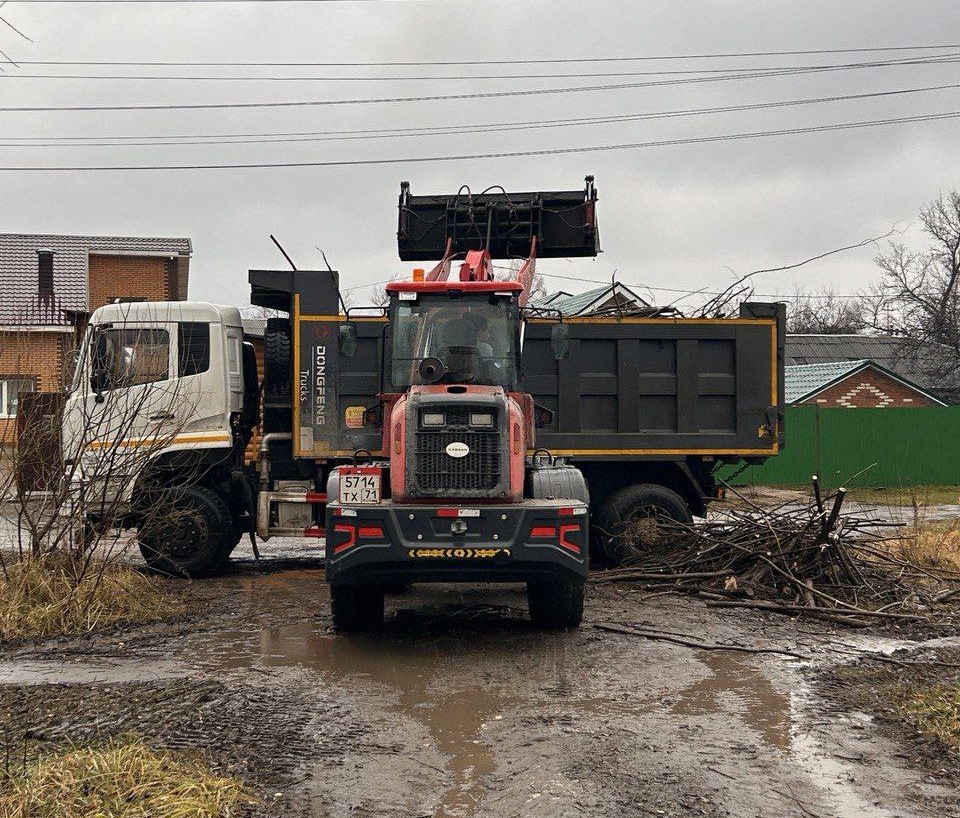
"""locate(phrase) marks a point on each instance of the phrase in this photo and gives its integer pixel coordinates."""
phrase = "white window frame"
(5, 381)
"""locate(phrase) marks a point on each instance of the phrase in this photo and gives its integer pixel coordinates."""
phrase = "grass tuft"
(120, 780)
(931, 545)
(936, 712)
(52, 595)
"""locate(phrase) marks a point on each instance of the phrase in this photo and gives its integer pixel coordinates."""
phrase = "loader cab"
(459, 333)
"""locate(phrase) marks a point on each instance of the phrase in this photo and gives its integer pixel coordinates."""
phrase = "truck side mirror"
(348, 340)
(560, 341)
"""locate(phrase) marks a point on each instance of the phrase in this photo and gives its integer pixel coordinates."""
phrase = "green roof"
(576, 304)
(805, 380)
(801, 381)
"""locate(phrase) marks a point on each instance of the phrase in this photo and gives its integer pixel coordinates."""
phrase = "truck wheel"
(555, 605)
(626, 526)
(187, 533)
(356, 608)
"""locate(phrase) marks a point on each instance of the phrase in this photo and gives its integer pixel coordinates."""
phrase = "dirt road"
(460, 709)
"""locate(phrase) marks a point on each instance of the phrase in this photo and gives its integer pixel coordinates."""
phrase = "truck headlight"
(433, 419)
(484, 419)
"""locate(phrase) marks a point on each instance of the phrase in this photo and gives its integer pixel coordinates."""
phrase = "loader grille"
(477, 473)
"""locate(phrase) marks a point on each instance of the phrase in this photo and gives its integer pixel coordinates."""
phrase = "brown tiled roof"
(19, 302)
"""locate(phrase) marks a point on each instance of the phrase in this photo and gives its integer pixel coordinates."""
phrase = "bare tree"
(918, 297)
(824, 312)
(66, 472)
(726, 302)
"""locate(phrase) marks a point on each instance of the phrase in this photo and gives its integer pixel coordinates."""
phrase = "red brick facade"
(868, 389)
(114, 276)
(45, 356)
(36, 355)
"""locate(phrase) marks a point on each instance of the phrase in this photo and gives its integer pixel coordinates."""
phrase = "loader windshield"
(475, 339)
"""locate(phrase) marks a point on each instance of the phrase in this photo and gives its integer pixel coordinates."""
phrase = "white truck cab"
(162, 406)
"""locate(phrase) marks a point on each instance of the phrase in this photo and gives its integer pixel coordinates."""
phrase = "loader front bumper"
(532, 540)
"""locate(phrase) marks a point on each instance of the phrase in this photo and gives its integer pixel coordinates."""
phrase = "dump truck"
(457, 434)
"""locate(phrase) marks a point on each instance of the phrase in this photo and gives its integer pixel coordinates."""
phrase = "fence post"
(816, 439)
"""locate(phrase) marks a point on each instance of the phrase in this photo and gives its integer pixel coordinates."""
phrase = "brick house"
(918, 364)
(609, 299)
(853, 385)
(50, 284)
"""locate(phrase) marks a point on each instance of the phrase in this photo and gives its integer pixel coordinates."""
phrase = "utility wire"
(500, 154)
(919, 60)
(445, 130)
(527, 61)
(779, 296)
(439, 97)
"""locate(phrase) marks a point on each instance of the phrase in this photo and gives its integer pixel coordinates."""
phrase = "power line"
(931, 60)
(528, 61)
(500, 154)
(444, 130)
(135, 2)
(779, 296)
(439, 97)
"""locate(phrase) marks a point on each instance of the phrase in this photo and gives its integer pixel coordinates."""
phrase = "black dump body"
(629, 389)
(635, 387)
(563, 223)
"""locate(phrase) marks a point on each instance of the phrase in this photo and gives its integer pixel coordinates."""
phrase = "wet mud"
(460, 708)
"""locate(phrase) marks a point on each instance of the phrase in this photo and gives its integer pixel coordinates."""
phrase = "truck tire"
(277, 359)
(356, 608)
(615, 526)
(277, 376)
(555, 605)
(187, 533)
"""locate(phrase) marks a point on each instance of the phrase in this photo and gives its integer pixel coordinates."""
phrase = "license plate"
(360, 485)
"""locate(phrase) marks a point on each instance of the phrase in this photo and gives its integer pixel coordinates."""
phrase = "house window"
(11, 388)
(45, 272)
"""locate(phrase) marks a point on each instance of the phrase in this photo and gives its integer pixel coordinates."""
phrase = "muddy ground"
(461, 709)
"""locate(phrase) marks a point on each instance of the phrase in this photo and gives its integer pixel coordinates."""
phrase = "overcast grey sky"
(679, 216)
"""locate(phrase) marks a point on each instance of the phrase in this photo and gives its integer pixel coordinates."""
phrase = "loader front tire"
(555, 605)
(186, 532)
(356, 608)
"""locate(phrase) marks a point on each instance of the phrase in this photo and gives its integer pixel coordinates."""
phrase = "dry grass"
(930, 545)
(936, 712)
(921, 496)
(120, 780)
(53, 595)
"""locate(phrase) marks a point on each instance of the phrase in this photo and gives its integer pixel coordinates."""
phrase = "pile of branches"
(792, 559)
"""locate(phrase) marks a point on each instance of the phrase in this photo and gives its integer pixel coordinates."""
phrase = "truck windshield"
(475, 340)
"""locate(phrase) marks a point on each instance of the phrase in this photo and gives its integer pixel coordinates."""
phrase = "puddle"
(736, 686)
(423, 671)
(826, 771)
(45, 671)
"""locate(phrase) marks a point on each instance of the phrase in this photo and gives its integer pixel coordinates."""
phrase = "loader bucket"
(436, 227)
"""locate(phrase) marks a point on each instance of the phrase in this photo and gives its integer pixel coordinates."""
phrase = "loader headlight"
(433, 419)
(483, 419)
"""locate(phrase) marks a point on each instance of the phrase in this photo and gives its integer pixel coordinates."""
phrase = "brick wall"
(870, 389)
(145, 277)
(37, 355)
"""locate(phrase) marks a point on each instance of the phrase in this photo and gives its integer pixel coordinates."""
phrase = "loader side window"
(193, 347)
(129, 357)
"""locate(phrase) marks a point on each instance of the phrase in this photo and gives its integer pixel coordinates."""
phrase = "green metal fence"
(897, 447)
